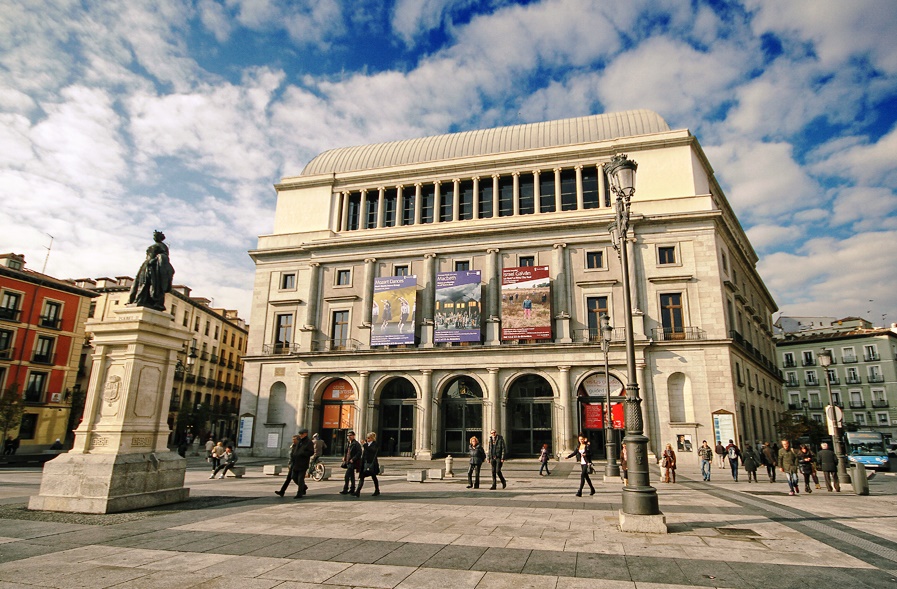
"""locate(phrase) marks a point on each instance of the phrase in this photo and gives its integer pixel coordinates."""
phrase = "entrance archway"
(397, 408)
(529, 415)
(337, 415)
(592, 397)
(462, 414)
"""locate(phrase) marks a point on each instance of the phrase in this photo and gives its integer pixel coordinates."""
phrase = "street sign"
(834, 417)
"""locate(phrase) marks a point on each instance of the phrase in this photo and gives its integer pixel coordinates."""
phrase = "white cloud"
(773, 237)
(861, 161)
(411, 18)
(865, 208)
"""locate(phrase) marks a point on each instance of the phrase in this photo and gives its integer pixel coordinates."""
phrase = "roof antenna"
(46, 259)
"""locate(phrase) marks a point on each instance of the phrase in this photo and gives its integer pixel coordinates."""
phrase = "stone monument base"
(643, 524)
(110, 483)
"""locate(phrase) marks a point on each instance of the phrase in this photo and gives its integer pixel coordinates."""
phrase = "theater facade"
(432, 289)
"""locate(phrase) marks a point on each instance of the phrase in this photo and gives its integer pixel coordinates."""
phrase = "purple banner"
(457, 307)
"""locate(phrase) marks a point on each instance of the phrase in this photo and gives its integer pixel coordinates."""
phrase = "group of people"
(221, 456)
(803, 461)
(495, 457)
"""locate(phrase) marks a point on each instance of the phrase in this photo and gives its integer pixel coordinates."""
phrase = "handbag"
(344, 464)
(369, 470)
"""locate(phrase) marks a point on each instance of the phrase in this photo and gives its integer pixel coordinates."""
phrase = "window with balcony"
(595, 308)
(671, 316)
(788, 358)
(848, 355)
(283, 331)
(43, 350)
(51, 315)
(878, 398)
(791, 379)
(339, 330)
(832, 376)
(874, 374)
(6, 340)
(36, 387)
(809, 359)
(594, 260)
(856, 400)
(10, 304)
(836, 398)
(870, 353)
(853, 376)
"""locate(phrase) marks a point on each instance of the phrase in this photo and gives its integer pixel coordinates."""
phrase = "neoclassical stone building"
(436, 288)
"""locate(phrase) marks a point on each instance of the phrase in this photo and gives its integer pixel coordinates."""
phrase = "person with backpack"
(733, 454)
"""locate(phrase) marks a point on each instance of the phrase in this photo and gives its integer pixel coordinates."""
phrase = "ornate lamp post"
(834, 416)
(611, 469)
(639, 497)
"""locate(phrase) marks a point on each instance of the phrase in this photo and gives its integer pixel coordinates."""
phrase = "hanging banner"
(525, 303)
(392, 314)
(457, 307)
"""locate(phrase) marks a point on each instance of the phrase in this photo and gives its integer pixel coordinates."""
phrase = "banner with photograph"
(392, 314)
(458, 307)
(525, 303)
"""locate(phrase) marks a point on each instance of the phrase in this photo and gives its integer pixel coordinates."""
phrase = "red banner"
(593, 415)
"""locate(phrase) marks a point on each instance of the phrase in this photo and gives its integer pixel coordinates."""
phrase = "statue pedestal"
(120, 460)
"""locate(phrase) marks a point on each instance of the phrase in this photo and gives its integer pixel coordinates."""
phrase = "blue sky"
(119, 117)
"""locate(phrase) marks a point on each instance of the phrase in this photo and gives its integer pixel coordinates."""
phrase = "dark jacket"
(477, 454)
(805, 461)
(579, 455)
(788, 460)
(300, 453)
(827, 460)
(497, 449)
(737, 453)
(353, 455)
(751, 460)
(369, 462)
(768, 455)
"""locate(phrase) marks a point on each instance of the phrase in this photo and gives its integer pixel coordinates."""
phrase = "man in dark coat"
(300, 455)
(496, 455)
(352, 459)
(286, 483)
(828, 464)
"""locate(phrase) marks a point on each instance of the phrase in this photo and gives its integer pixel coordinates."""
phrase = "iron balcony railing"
(854, 404)
(848, 359)
(593, 335)
(335, 345)
(873, 357)
(279, 348)
(38, 358)
(879, 403)
(50, 322)
(6, 353)
(875, 378)
(662, 334)
(8, 314)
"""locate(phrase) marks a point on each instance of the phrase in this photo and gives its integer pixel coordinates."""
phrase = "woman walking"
(543, 458)
(477, 457)
(805, 463)
(668, 462)
(583, 455)
(751, 461)
(370, 466)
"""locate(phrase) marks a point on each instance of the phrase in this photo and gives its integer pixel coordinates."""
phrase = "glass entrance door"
(462, 415)
(529, 416)
(397, 408)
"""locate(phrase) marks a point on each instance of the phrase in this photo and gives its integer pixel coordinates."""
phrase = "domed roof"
(481, 142)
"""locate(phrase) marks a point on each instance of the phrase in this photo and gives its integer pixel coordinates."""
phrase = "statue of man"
(155, 276)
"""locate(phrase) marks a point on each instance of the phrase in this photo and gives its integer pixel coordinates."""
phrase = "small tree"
(791, 430)
(11, 410)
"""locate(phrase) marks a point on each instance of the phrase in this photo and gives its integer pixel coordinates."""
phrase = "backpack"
(733, 453)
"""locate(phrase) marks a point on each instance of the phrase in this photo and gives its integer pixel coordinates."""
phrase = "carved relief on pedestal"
(111, 393)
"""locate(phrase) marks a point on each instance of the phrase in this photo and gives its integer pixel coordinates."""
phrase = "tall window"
(526, 194)
(568, 190)
(594, 260)
(370, 212)
(505, 196)
(446, 201)
(595, 308)
(466, 200)
(408, 206)
(353, 213)
(51, 315)
(590, 188)
(808, 358)
(43, 350)
(35, 387)
(484, 198)
(390, 199)
(9, 306)
(427, 202)
(546, 191)
(870, 353)
(789, 360)
(28, 427)
(339, 329)
(671, 316)
(283, 333)
(5, 345)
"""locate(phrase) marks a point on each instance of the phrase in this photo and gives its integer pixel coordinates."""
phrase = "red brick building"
(41, 335)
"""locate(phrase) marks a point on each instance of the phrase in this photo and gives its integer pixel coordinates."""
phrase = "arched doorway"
(397, 407)
(337, 415)
(462, 414)
(592, 397)
(529, 415)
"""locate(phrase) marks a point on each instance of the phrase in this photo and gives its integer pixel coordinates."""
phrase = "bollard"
(860, 482)
(448, 466)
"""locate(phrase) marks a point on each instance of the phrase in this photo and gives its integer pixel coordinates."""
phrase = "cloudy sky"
(121, 116)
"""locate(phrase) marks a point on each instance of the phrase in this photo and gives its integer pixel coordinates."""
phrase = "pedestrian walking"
(788, 462)
(583, 454)
(705, 452)
(477, 457)
(720, 454)
(300, 453)
(768, 454)
(668, 463)
(228, 460)
(370, 466)
(210, 444)
(751, 462)
(624, 465)
(805, 465)
(290, 473)
(828, 464)
(544, 457)
(733, 454)
(496, 457)
(352, 464)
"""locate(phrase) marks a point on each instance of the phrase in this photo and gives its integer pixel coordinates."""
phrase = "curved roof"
(588, 129)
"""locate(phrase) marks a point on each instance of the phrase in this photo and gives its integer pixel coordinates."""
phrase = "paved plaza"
(236, 533)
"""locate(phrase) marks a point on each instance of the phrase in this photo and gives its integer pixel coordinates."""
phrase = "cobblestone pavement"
(235, 533)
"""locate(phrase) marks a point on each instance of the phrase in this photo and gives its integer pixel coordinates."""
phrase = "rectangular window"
(594, 260)
(836, 398)
(6, 339)
(848, 355)
(370, 212)
(808, 358)
(36, 387)
(526, 194)
(505, 196)
(590, 188)
(882, 418)
(283, 330)
(196, 325)
(724, 261)
(484, 198)
(400, 271)
(288, 281)
(208, 325)
(462, 266)
(407, 206)
(666, 255)
(671, 316)
(595, 308)
(546, 191)
(339, 330)
(789, 360)
(93, 309)
(853, 377)
(810, 378)
(465, 200)
(446, 201)
(28, 426)
(390, 200)
(568, 190)
(528, 261)
(353, 214)
(870, 353)
(791, 379)
(343, 277)
(43, 350)
(427, 202)
(9, 306)
(51, 316)
(859, 418)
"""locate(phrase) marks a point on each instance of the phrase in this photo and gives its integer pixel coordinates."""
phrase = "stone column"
(537, 192)
(476, 197)
(367, 300)
(417, 198)
(493, 396)
(310, 328)
(303, 415)
(495, 178)
(344, 215)
(579, 202)
(516, 198)
(362, 210)
(361, 420)
(437, 202)
(456, 198)
(120, 460)
(602, 186)
(557, 190)
(425, 451)
(493, 298)
(562, 333)
(568, 408)
(381, 197)
(400, 206)
(427, 324)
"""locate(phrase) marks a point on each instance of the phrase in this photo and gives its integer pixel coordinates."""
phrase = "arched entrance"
(529, 415)
(337, 415)
(397, 407)
(462, 414)
(592, 397)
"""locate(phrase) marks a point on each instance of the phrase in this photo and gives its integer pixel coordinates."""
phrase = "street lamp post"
(611, 469)
(639, 497)
(834, 415)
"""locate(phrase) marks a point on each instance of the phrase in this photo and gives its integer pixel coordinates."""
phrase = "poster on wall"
(244, 431)
(525, 303)
(392, 314)
(724, 427)
(458, 307)
(593, 415)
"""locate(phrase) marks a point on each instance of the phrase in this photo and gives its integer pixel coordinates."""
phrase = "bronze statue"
(154, 277)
